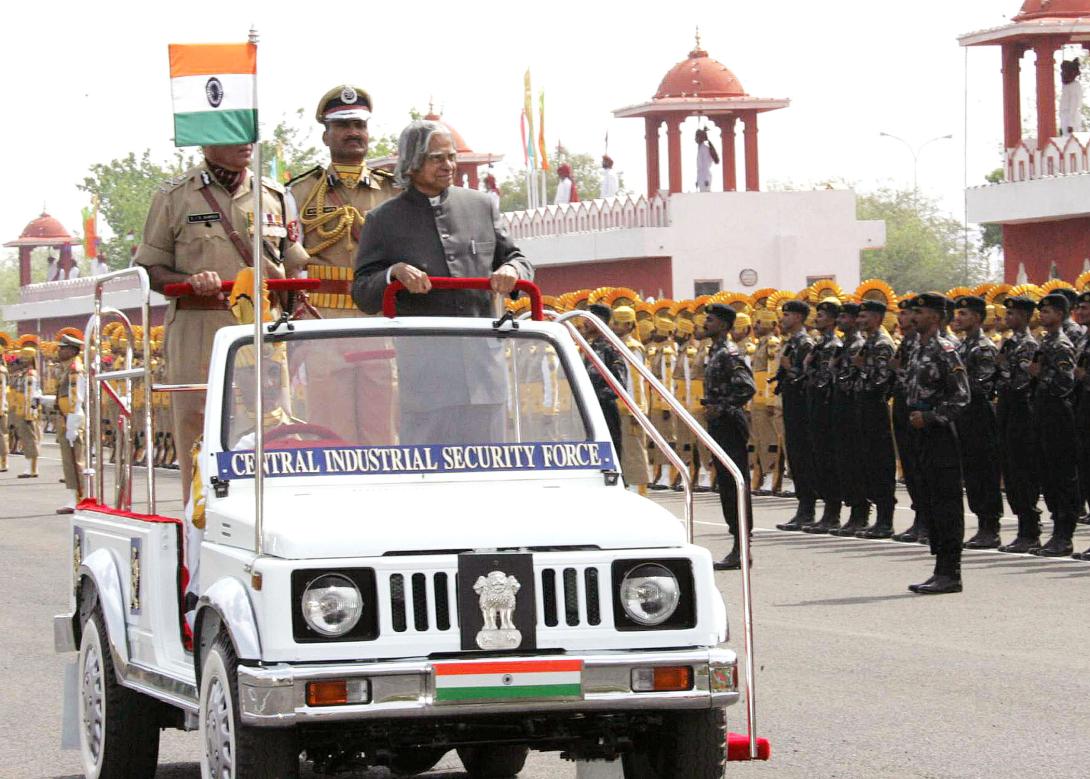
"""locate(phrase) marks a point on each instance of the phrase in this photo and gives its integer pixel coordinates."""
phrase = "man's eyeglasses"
(437, 158)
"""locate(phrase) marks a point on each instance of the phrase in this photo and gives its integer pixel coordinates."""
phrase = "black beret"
(875, 306)
(1055, 300)
(829, 307)
(1071, 295)
(601, 311)
(851, 309)
(1084, 297)
(1020, 303)
(906, 304)
(974, 303)
(931, 300)
(797, 307)
(725, 314)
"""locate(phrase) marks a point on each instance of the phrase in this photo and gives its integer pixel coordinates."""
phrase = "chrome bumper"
(275, 695)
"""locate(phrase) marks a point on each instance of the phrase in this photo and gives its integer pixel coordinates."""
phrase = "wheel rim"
(93, 708)
(217, 731)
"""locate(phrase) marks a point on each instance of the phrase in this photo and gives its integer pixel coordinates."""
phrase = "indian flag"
(489, 681)
(212, 86)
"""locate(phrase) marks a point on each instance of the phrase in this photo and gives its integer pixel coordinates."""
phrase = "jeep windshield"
(343, 389)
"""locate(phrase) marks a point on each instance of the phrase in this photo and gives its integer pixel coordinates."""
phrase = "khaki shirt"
(183, 233)
(306, 199)
(69, 391)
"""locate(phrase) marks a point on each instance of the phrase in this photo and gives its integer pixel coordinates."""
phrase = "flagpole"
(259, 305)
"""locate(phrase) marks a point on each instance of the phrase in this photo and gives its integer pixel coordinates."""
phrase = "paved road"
(857, 677)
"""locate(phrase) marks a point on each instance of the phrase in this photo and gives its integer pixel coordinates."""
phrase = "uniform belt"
(201, 303)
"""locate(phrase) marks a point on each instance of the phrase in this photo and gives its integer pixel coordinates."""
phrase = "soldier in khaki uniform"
(5, 345)
(327, 207)
(662, 359)
(766, 413)
(634, 465)
(688, 388)
(198, 231)
(71, 390)
(24, 404)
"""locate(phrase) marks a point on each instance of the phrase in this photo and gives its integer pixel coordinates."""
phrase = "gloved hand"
(73, 424)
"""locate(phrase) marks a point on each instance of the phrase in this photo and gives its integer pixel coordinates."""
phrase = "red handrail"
(389, 296)
(181, 289)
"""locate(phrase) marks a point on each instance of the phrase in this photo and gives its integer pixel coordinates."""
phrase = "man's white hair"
(412, 146)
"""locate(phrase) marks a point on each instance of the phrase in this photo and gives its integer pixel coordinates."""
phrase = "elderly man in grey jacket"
(434, 229)
(452, 389)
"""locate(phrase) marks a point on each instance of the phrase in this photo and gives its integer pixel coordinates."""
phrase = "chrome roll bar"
(702, 435)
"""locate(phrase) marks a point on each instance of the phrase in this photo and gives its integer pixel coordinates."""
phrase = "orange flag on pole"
(541, 130)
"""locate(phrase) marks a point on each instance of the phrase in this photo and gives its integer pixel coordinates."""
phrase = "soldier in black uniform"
(978, 432)
(607, 398)
(1082, 403)
(1054, 371)
(873, 385)
(903, 433)
(819, 378)
(728, 387)
(791, 387)
(1017, 432)
(1072, 329)
(938, 390)
(849, 463)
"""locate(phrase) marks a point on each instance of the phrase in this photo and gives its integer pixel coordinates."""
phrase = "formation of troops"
(982, 390)
(978, 392)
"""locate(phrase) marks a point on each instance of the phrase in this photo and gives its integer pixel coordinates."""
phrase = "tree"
(585, 171)
(925, 248)
(991, 234)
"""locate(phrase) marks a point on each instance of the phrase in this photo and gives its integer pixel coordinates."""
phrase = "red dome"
(45, 227)
(699, 76)
(460, 144)
(1052, 9)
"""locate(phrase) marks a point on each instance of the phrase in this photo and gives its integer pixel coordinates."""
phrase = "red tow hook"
(738, 747)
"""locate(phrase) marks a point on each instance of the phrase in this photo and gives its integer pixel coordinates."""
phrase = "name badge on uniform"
(312, 211)
(202, 218)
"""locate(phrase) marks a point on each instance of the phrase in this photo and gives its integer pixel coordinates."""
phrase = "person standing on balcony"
(610, 182)
(492, 190)
(566, 191)
(1070, 98)
(706, 156)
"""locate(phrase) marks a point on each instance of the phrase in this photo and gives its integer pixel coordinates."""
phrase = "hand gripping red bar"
(182, 289)
(389, 297)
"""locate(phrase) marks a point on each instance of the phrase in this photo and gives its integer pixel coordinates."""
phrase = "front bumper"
(275, 695)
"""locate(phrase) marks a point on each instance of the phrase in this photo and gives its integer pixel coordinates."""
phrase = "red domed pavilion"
(701, 86)
(43, 231)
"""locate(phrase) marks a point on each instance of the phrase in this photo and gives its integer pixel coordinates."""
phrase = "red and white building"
(1043, 202)
(671, 243)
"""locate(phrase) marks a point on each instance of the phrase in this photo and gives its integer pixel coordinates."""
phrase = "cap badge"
(213, 90)
(349, 95)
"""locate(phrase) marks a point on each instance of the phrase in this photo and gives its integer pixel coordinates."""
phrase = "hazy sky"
(87, 82)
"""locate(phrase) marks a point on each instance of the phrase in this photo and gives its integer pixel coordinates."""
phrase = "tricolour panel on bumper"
(275, 696)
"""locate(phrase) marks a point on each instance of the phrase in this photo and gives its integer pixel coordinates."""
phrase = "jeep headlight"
(332, 604)
(650, 594)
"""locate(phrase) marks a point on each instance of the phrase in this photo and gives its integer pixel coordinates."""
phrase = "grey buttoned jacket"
(463, 236)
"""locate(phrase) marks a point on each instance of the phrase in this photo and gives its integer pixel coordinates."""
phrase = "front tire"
(493, 762)
(693, 745)
(119, 728)
(232, 750)
(412, 762)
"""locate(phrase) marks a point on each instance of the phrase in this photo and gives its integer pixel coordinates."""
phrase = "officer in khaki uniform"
(327, 207)
(767, 414)
(24, 405)
(198, 231)
(688, 385)
(71, 390)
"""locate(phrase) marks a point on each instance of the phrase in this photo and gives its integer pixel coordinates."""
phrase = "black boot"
(947, 578)
(909, 536)
(987, 536)
(1060, 543)
(733, 561)
(1084, 519)
(857, 520)
(883, 524)
(803, 518)
(1021, 545)
(830, 520)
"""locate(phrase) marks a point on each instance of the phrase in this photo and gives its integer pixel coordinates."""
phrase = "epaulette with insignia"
(382, 174)
(301, 176)
(269, 183)
(173, 183)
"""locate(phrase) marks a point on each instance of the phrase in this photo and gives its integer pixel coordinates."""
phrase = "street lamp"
(915, 152)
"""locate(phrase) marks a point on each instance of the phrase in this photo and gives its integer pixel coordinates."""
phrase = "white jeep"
(445, 558)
